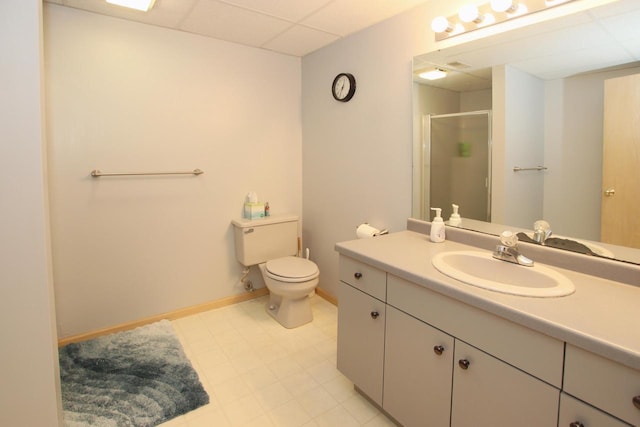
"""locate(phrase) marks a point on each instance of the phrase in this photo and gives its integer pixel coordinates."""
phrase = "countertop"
(601, 316)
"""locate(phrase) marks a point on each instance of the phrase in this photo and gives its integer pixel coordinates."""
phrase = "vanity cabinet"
(575, 413)
(417, 371)
(600, 382)
(489, 392)
(361, 326)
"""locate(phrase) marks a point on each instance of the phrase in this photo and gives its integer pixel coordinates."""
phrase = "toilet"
(271, 243)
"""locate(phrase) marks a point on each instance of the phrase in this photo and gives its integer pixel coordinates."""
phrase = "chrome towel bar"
(536, 168)
(97, 173)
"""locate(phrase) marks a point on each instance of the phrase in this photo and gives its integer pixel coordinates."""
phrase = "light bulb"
(504, 5)
(440, 24)
(435, 74)
(469, 13)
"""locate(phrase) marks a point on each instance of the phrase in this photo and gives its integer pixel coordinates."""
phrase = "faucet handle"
(509, 239)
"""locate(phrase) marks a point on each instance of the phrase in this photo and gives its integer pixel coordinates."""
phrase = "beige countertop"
(601, 316)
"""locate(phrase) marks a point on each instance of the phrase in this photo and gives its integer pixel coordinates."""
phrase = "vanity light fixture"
(433, 74)
(143, 5)
(473, 15)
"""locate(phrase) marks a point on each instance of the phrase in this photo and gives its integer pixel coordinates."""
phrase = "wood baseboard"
(326, 295)
(173, 315)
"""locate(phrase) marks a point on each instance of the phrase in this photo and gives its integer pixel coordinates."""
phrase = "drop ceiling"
(292, 27)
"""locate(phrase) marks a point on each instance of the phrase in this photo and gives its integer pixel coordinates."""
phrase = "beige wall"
(124, 96)
(29, 384)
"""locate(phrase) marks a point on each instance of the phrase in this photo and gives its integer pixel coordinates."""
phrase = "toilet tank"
(260, 240)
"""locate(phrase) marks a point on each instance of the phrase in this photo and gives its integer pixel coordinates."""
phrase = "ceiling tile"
(343, 17)
(300, 40)
(291, 10)
(226, 22)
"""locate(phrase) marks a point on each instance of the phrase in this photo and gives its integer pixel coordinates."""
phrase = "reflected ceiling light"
(508, 6)
(440, 24)
(470, 13)
(143, 5)
(434, 74)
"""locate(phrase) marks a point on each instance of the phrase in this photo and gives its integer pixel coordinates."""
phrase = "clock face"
(344, 87)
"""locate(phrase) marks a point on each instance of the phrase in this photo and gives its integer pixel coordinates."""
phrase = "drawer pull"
(464, 363)
(438, 350)
(374, 314)
(576, 424)
(358, 275)
(636, 401)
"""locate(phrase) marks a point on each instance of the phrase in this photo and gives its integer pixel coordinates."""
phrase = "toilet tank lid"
(274, 219)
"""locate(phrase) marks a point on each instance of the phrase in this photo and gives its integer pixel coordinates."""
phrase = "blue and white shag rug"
(137, 378)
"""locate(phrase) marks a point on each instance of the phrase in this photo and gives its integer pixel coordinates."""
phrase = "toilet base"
(290, 313)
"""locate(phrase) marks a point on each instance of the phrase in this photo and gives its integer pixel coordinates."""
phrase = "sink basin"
(482, 270)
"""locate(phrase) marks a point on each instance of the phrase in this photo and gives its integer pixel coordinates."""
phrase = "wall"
(518, 105)
(127, 97)
(29, 394)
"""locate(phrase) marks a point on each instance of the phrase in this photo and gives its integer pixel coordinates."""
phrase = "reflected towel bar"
(97, 173)
(537, 168)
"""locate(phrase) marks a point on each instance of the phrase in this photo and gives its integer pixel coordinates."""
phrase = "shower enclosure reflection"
(456, 162)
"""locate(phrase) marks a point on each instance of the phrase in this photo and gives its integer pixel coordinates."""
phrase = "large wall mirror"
(557, 115)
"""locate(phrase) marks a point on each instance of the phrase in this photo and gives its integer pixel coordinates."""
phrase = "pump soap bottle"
(455, 219)
(437, 227)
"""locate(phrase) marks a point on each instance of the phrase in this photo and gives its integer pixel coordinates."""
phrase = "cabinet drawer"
(364, 277)
(603, 383)
(573, 412)
(531, 351)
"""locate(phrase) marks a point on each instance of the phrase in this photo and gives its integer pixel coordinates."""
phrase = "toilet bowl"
(290, 280)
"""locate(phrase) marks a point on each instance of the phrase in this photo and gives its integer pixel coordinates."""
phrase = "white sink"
(482, 270)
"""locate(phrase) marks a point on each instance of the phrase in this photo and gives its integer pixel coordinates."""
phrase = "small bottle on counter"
(437, 227)
(266, 209)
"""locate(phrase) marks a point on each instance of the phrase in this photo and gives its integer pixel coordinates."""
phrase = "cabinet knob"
(636, 401)
(438, 349)
(576, 424)
(374, 314)
(358, 275)
(464, 363)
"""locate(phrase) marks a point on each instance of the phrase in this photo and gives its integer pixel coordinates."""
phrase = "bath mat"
(136, 378)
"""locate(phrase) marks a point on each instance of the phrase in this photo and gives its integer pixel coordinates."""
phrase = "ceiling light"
(508, 6)
(440, 24)
(470, 13)
(434, 74)
(143, 5)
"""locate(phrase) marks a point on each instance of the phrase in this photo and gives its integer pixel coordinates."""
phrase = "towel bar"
(97, 173)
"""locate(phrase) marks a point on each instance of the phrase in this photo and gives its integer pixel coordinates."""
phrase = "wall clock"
(343, 87)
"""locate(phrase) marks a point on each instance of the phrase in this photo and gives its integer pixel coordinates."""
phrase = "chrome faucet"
(541, 231)
(507, 250)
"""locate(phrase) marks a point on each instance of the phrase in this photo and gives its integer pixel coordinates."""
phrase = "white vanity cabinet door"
(488, 393)
(574, 413)
(361, 320)
(417, 371)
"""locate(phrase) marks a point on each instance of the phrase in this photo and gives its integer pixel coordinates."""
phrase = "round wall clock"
(343, 87)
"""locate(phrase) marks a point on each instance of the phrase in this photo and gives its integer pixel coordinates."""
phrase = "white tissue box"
(253, 210)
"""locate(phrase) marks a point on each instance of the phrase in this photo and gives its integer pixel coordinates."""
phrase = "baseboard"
(326, 295)
(173, 315)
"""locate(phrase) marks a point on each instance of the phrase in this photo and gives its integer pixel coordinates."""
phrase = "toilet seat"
(292, 269)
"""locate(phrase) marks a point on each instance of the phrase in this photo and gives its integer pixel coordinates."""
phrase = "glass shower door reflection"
(457, 159)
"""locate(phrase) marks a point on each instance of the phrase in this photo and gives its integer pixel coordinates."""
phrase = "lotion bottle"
(437, 227)
(455, 219)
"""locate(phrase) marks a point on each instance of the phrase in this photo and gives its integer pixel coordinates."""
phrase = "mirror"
(547, 87)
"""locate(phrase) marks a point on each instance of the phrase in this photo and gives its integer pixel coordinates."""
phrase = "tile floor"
(258, 373)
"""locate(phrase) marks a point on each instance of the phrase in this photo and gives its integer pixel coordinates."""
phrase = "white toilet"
(272, 243)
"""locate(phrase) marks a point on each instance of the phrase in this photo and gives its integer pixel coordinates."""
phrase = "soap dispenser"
(437, 227)
(455, 219)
